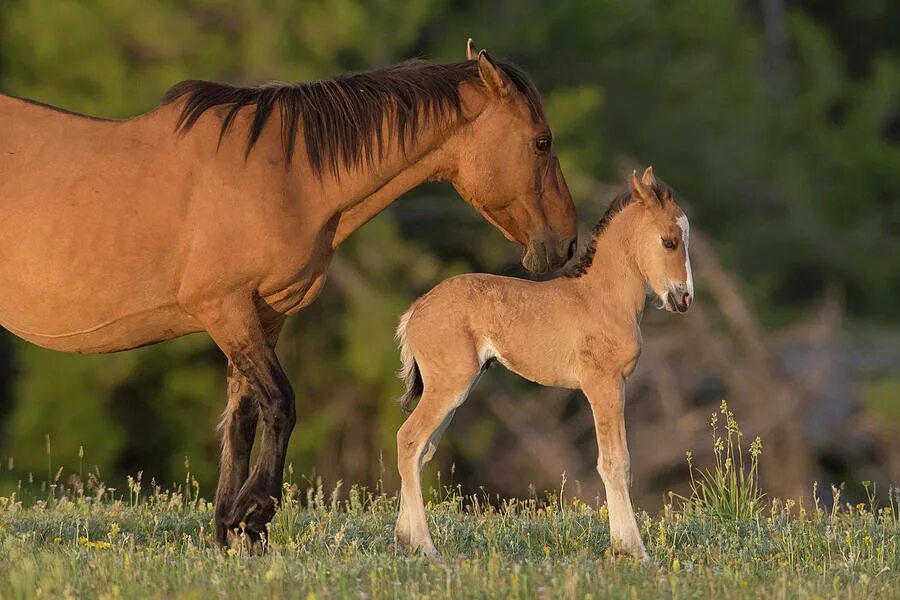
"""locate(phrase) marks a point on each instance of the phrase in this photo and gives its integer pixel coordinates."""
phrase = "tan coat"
(579, 332)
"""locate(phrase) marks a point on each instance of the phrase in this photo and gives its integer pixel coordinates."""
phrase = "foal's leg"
(238, 431)
(236, 329)
(417, 441)
(606, 395)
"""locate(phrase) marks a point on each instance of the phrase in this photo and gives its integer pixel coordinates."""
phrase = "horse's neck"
(362, 194)
(614, 275)
(373, 190)
(424, 158)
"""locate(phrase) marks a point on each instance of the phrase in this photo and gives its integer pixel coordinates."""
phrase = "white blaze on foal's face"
(682, 222)
(668, 264)
(663, 247)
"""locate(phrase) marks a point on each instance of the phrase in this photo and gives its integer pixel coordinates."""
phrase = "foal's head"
(508, 170)
(659, 242)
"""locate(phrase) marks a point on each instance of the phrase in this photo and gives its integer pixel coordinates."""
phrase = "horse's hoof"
(244, 539)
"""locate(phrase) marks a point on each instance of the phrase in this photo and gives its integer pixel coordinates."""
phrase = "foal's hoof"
(639, 553)
(427, 549)
(401, 537)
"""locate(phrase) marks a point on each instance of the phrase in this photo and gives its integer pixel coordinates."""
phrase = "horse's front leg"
(238, 427)
(606, 394)
(235, 327)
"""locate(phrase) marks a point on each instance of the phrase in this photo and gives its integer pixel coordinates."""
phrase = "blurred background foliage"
(776, 122)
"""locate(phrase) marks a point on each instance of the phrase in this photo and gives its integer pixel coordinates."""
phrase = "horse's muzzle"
(544, 256)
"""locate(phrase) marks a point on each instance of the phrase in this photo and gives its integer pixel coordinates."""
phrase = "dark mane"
(581, 266)
(342, 119)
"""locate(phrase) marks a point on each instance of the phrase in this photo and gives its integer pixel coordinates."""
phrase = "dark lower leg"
(234, 324)
(238, 430)
(254, 504)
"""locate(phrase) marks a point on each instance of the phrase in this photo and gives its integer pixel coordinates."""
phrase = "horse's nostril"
(687, 299)
(572, 248)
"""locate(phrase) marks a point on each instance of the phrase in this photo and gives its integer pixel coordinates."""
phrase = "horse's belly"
(67, 293)
(121, 332)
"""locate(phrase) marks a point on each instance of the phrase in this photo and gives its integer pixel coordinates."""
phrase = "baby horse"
(580, 331)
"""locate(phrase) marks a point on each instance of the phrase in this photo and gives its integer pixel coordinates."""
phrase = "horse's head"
(507, 167)
(660, 243)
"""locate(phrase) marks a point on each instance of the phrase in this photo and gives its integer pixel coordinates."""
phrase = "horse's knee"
(289, 410)
(279, 409)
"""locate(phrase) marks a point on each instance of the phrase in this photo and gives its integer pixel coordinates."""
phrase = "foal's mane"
(581, 266)
(342, 119)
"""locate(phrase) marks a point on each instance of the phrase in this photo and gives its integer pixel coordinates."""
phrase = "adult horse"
(220, 211)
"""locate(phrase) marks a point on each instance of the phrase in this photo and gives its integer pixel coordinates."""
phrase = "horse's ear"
(495, 79)
(471, 51)
(639, 190)
(648, 179)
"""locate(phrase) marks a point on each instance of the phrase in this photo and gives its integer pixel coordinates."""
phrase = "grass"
(729, 490)
(84, 541)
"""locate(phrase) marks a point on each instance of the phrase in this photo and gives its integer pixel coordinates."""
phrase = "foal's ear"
(648, 179)
(640, 190)
(471, 51)
(495, 79)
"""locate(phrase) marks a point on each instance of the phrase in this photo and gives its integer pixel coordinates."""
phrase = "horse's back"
(86, 245)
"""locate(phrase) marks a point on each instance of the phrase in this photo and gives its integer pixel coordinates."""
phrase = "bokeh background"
(776, 121)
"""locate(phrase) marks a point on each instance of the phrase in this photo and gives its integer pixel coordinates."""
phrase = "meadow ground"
(86, 543)
(85, 540)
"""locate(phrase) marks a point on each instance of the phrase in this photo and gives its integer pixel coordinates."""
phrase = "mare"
(220, 211)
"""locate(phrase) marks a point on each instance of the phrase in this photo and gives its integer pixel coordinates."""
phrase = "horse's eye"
(542, 144)
(669, 244)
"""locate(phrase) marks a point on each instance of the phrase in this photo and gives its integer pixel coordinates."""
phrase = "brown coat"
(220, 212)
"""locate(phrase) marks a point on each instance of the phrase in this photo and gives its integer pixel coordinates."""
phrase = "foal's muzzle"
(679, 300)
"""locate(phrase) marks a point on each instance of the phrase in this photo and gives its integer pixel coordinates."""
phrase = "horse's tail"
(409, 371)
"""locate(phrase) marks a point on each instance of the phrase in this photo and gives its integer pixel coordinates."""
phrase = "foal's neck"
(614, 277)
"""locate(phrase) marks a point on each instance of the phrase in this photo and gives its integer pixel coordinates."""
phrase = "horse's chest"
(297, 266)
(297, 285)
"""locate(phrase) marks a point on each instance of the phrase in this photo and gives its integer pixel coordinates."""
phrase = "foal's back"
(532, 328)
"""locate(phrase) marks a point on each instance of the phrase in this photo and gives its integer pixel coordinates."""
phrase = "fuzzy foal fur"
(575, 331)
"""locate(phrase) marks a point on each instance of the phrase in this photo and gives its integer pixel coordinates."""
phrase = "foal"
(577, 331)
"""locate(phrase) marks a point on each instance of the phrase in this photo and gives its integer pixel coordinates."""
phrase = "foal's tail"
(409, 371)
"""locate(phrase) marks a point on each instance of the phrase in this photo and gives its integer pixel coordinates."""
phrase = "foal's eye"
(542, 144)
(669, 244)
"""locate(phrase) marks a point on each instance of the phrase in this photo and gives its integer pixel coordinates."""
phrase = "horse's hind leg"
(417, 441)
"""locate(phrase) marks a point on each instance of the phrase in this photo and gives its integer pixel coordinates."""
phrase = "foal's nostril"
(572, 248)
(687, 300)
